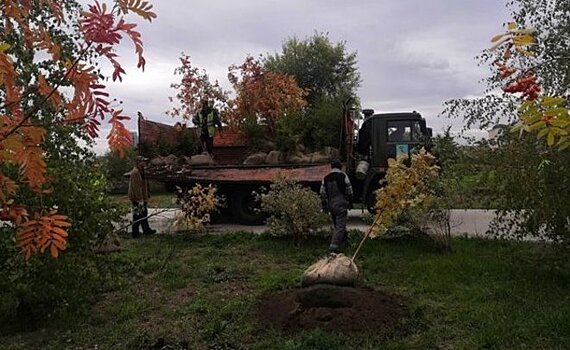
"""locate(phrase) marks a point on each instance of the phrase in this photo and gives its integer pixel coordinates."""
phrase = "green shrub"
(323, 124)
(255, 135)
(293, 209)
(289, 132)
(43, 285)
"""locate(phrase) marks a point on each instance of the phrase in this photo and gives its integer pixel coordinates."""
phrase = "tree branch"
(35, 108)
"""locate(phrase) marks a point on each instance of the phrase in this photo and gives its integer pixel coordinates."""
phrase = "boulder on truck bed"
(201, 159)
(274, 157)
(255, 159)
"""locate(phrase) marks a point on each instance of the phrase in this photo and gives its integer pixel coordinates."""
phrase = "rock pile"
(260, 158)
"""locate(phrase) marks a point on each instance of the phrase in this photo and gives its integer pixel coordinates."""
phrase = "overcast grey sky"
(412, 54)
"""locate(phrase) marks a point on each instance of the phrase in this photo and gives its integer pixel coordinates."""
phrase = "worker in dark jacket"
(336, 193)
(138, 195)
(207, 119)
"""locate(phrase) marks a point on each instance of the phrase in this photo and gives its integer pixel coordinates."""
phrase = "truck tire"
(244, 205)
(371, 201)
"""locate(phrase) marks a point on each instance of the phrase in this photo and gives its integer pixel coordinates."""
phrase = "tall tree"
(531, 87)
(194, 86)
(49, 51)
(262, 97)
(326, 69)
(550, 62)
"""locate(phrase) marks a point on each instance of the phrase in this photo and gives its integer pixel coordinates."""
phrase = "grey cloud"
(413, 54)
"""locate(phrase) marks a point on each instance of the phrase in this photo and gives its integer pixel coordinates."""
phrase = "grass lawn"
(202, 291)
(161, 200)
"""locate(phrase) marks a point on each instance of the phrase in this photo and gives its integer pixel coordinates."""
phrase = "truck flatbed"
(238, 173)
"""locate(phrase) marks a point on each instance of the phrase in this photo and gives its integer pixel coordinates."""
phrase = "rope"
(141, 219)
(363, 239)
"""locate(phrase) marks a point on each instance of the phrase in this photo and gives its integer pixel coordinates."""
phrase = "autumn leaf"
(45, 231)
(519, 38)
(100, 29)
(141, 8)
(47, 91)
(119, 138)
(8, 188)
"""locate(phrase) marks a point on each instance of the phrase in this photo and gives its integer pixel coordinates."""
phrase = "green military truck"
(365, 153)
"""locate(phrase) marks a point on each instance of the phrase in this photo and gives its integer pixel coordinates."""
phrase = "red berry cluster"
(505, 71)
(525, 84)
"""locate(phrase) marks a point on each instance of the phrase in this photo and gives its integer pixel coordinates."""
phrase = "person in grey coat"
(336, 193)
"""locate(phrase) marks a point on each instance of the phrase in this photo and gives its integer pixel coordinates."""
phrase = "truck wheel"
(244, 205)
(371, 202)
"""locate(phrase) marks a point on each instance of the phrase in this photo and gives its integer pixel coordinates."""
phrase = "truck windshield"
(404, 131)
(399, 131)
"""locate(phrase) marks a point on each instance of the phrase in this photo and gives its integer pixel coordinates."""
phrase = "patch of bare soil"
(332, 308)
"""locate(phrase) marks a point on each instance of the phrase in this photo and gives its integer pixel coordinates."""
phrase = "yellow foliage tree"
(197, 204)
(406, 187)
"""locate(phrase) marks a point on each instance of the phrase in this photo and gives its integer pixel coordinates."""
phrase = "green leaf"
(4, 47)
(556, 111)
(536, 126)
(542, 133)
(552, 101)
(550, 139)
(560, 123)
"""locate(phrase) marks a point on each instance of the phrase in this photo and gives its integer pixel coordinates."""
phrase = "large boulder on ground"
(274, 157)
(201, 159)
(255, 159)
(335, 269)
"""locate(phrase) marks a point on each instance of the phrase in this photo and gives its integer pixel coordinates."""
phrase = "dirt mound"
(333, 308)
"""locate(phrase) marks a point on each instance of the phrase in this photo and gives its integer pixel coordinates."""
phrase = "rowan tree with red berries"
(547, 116)
(50, 79)
(526, 99)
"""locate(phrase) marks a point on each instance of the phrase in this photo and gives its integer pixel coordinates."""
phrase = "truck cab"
(384, 136)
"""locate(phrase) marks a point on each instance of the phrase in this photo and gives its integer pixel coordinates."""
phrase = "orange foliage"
(262, 96)
(43, 232)
(194, 87)
(102, 27)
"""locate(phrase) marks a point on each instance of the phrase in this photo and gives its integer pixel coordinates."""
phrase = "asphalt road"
(472, 223)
